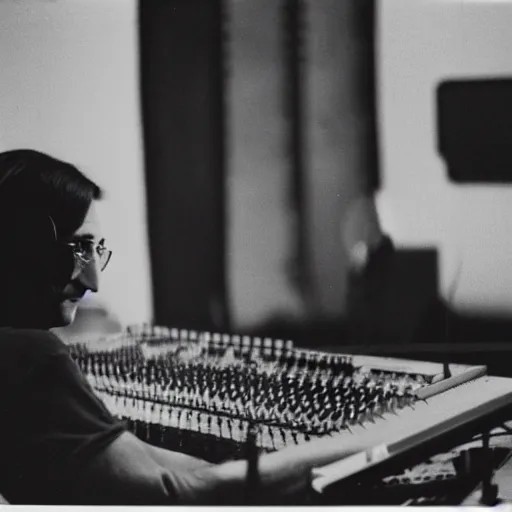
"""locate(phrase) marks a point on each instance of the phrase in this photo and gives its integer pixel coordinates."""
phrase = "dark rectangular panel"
(475, 129)
(181, 80)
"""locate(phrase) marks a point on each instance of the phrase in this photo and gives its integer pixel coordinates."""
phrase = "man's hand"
(284, 476)
(226, 484)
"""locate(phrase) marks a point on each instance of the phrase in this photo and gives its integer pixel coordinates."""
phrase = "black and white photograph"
(256, 253)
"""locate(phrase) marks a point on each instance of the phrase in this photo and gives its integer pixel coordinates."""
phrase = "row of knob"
(158, 334)
(269, 437)
(308, 407)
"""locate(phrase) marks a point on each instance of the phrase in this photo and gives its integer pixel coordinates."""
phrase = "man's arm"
(283, 475)
(127, 472)
(175, 460)
(123, 473)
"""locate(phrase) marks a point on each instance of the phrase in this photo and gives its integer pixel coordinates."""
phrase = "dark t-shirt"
(51, 422)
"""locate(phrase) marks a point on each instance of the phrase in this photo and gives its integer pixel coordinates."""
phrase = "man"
(58, 442)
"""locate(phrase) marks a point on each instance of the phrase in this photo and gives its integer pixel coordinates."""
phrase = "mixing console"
(199, 393)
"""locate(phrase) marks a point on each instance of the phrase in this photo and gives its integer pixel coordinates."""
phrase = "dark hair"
(31, 181)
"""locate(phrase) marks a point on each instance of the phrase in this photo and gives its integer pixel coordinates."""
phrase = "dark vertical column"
(182, 101)
(294, 103)
(365, 29)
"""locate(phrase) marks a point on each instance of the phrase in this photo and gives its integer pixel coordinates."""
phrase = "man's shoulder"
(22, 352)
(30, 344)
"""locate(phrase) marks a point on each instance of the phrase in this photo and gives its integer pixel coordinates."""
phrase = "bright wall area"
(69, 87)
(422, 43)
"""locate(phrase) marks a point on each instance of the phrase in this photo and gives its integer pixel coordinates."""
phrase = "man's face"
(83, 279)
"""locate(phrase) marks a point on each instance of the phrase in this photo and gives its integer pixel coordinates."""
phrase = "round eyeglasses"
(85, 251)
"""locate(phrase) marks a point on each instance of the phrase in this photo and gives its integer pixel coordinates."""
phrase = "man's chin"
(67, 313)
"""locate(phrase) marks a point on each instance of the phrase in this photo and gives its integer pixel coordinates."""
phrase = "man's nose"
(89, 277)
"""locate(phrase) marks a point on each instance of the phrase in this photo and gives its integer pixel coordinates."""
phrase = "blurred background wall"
(254, 154)
(300, 115)
(266, 108)
(69, 86)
